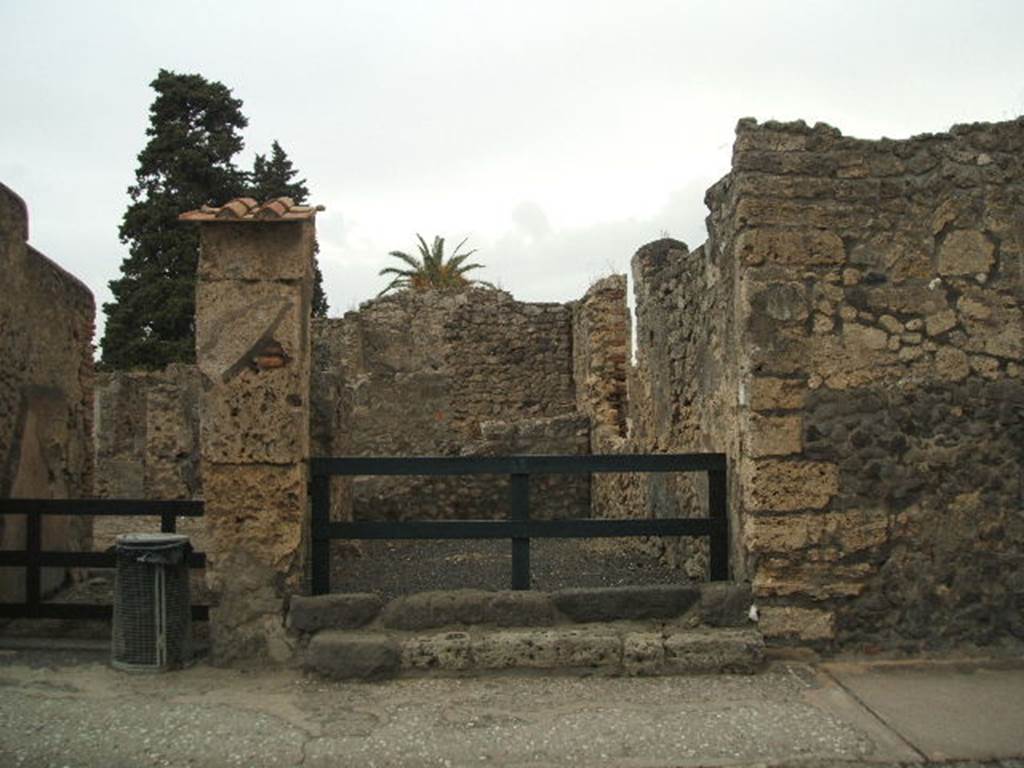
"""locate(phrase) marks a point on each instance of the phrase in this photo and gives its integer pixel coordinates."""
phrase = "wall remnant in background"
(147, 446)
(439, 373)
(46, 389)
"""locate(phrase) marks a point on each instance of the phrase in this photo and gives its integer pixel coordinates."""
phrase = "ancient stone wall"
(682, 387)
(880, 298)
(46, 382)
(433, 374)
(147, 446)
(851, 335)
(411, 375)
(600, 358)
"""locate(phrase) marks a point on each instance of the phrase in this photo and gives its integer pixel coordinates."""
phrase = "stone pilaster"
(253, 353)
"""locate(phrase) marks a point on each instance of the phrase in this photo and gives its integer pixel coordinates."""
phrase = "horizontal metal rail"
(519, 527)
(24, 559)
(33, 558)
(77, 611)
(100, 507)
(514, 465)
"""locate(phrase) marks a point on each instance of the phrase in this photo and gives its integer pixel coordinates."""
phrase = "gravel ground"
(392, 568)
(69, 709)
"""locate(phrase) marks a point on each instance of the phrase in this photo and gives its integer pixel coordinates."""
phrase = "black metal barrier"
(519, 527)
(32, 558)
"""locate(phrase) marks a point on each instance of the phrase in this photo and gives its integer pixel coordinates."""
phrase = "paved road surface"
(68, 708)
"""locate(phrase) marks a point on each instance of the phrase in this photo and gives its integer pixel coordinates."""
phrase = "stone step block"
(722, 604)
(631, 603)
(342, 611)
(608, 649)
(429, 610)
(351, 655)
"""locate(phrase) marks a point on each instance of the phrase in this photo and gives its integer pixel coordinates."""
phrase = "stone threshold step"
(604, 649)
(722, 604)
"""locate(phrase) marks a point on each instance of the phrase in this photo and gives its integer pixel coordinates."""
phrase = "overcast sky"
(557, 136)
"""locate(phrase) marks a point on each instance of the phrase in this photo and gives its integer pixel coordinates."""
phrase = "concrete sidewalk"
(68, 708)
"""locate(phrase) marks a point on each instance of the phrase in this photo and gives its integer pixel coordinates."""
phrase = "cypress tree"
(194, 127)
(276, 178)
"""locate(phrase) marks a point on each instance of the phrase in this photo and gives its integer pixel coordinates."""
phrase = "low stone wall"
(659, 630)
(46, 390)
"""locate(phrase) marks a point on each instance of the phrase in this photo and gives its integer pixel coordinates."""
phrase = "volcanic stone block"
(625, 603)
(343, 611)
(725, 605)
(965, 252)
(520, 609)
(344, 655)
(426, 610)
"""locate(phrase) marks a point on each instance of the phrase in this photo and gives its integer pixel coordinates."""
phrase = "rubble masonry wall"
(46, 390)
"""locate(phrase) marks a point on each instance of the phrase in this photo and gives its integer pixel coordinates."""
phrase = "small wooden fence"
(519, 528)
(32, 558)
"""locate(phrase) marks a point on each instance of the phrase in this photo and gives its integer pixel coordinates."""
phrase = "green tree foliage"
(276, 178)
(431, 271)
(188, 161)
(194, 127)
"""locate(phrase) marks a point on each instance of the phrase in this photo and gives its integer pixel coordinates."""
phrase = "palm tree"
(430, 271)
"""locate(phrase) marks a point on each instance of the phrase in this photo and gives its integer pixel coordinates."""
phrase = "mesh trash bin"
(152, 607)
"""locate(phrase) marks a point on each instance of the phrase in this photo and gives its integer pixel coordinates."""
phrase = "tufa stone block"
(258, 510)
(772, 485)
(738, 651)
(643, 653)
(253, 411)
(257, 251)
(797, 623)
(515, 649)
(448, 652)
(770, 394)
(774, 435)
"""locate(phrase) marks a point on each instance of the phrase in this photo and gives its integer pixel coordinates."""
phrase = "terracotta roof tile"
(247, 209)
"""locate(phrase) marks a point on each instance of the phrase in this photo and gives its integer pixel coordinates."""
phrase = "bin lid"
(151, 540)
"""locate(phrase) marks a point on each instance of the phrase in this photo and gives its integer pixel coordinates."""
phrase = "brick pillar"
(253, 296)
